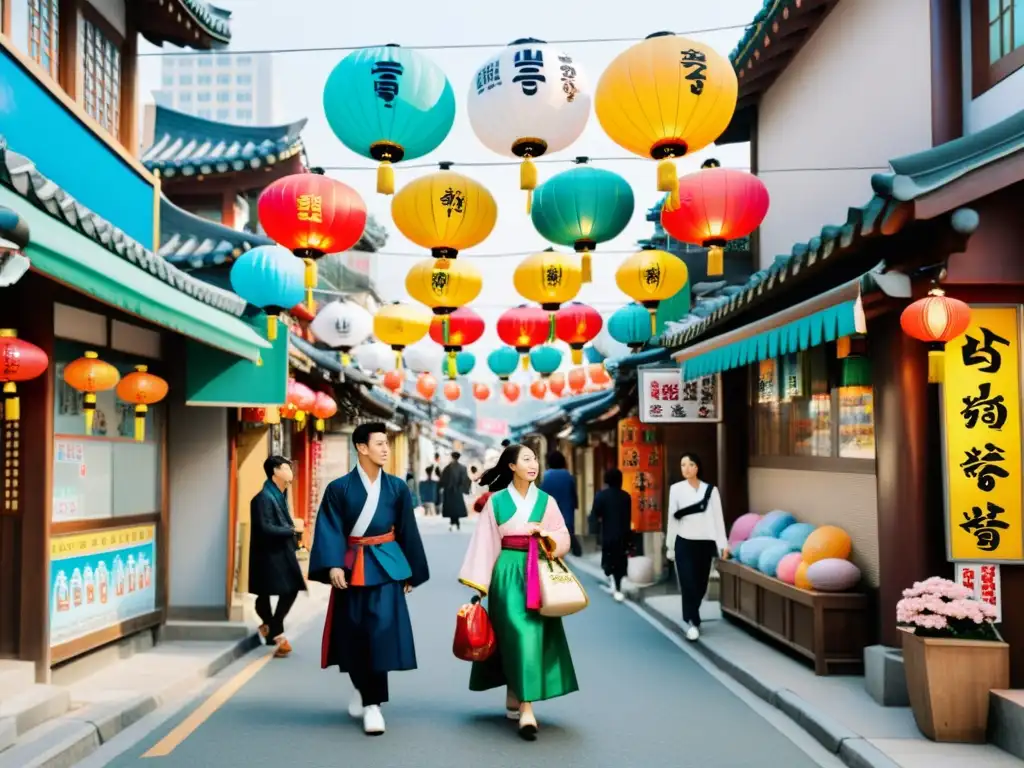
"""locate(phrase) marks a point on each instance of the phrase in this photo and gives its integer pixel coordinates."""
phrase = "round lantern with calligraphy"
(481, 392)
(523, 328)
(936, 319)
(503, 362)
(374, 356)
(452, 391)
(270, 278)
(530, 99)
(582, 207)
(324, 408)
(716, 205)
(511, 391)
(19, 361)
(426, 385)
(89, 375)
(399, 325)
(443, 290)
(445, 212)
(464, 327)
(142, 389)
(577, 324)
(390, 104)
(549, 278)
(539, 389)
(545, 359)
(342, 325)
(650, 277)
(393, 380)
(685, 90)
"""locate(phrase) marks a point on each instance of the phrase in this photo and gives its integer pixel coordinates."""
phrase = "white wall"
(995, 104)
(198, 468)
(856, 95)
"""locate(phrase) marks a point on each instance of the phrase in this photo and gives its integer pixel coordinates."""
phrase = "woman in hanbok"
(531, 659)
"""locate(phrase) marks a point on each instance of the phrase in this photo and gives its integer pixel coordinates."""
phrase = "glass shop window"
(43, 34)
(101, 71)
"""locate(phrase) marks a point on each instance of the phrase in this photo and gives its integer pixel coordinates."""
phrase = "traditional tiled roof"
(19, 174)
(192, 242)
(191, 23)
(185, 145)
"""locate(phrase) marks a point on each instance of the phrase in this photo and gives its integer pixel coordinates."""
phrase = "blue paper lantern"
(271, 278)
(592, 355)
(390, 104)
(631, 325)
(503, 362)
(546, 359)
(464, 363)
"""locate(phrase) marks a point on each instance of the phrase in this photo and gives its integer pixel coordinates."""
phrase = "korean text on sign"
(981, 409)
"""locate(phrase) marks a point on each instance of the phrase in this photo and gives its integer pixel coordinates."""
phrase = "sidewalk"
(110, 700)
(837, 711)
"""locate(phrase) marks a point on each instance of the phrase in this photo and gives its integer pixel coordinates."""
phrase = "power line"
(429, 47)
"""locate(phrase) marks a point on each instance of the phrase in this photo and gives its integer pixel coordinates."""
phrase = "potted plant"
(953, 656)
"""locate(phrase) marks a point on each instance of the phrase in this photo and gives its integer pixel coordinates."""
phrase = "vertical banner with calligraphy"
(981, 416)
(641, 460)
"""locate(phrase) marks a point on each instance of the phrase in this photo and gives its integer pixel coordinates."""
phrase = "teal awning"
(824, 318)
(67, 256)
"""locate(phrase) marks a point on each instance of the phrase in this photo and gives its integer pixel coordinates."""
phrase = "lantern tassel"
(300, 420)
(346, 359)
(12, 405)
(528, 180)
(451, 365)
(668, 181)
(310, 283)
(654, 321)
(577, 355)
(398, 359)
(551, 326)
(936, 365)
(526, 362)
(140, 423)
(585, 274)
(716, 260)
(320, 425)
(89, 406)
(385, 178)
(271, 327)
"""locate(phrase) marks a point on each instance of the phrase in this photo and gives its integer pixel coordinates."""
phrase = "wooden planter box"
(829, 628)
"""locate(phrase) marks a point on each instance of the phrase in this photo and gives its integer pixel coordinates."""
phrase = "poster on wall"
(981, 430)
(641, 460)
(666, 399)
(985, 582)
(100, 579)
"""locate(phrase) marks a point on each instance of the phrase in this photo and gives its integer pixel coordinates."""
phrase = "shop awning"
(828, 317)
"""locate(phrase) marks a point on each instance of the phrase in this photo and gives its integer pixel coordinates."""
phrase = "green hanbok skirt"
(532, 656)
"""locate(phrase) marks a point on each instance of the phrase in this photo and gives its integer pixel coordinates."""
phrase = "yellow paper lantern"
(445, 212)
(650, 277)
(666, 97)
(399, 325)
(444, 289)
(549, 278)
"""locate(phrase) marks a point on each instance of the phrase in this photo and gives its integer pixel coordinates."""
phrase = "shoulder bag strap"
(696, 508)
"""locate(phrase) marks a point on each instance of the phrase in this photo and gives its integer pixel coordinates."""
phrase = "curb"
(850, 747)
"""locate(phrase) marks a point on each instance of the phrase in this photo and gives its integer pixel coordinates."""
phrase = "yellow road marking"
(191, 723)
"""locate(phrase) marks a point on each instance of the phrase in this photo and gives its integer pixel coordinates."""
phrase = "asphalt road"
(643, 701)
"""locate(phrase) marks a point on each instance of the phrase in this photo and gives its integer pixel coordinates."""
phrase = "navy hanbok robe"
(368, 627)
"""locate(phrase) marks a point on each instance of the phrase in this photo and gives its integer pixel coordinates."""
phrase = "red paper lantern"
(524, 327)
(716, 205)
(556, 383)
(393, 380)
(143, 389)
(19, 361)
(426, 385)
(465, 327)
(324, 408)
(538, 389)
(452, 391)
(577, 324)
(254, 415)
(935, 320)
(299, 401)
(481, 391)
(598, 375)
(577, 379)
(511, 391)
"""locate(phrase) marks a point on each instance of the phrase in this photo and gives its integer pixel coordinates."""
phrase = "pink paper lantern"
(743, 527)
(786, 572)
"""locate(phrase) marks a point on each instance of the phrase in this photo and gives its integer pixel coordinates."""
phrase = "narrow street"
(643, 702)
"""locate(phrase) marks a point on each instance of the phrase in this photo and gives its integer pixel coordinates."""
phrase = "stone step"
(29, 709)
(15, 677)
(1006, 721)
(203, 631)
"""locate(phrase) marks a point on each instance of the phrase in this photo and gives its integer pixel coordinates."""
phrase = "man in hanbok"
(368, 548)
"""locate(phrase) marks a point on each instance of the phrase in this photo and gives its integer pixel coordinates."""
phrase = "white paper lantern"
(342, 325)
(374, 356)
(529, 100)
(423, 357)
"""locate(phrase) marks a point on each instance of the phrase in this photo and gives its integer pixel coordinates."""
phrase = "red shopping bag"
(474, 635)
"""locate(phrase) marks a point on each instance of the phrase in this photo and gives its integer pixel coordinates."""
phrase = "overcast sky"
(299, 79)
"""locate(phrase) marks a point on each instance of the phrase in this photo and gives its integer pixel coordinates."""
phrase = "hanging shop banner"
(666, 399)
(100, 579)
(985, 582)
(641, 460)
(981, 409)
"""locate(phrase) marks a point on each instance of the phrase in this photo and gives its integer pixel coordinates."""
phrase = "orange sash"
(356, 546)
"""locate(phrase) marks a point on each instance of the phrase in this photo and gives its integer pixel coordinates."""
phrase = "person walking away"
(428, 492)
(561, 486)
(368, 548)
(454, 485)
(531, 659)
(695, 536)
(273, 566)
(613, 509)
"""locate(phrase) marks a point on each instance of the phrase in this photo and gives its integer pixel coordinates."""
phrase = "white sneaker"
(619, 597)
(692, 633)
(355, 704)
(373, 720)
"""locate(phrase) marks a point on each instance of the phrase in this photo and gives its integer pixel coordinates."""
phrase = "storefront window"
(856, 410)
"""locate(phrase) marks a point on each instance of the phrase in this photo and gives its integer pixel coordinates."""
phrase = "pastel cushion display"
(752, 549)
(743, 528)
(800, 577)
(796, 535)
(787, 567)
(770, 558)
(772, 524)
(833, 575)
(827, 543)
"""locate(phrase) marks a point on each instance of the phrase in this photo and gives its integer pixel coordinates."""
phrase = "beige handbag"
(561, 593)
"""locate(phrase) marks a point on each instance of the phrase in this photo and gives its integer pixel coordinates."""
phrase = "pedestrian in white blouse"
(695, 537)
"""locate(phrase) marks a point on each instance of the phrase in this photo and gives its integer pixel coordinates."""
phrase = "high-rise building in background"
(226, 87)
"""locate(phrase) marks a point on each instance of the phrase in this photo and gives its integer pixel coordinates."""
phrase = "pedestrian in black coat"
(613, 510)
(454, 485)
(273, 566)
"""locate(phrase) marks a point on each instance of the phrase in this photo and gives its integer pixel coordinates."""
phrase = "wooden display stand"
(830, 628)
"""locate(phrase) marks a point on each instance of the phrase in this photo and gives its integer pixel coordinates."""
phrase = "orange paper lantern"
(556, 383)
(511, 391)
(89, 375)
(481, 391)
(935, 320)
(539, 389)
(426, 385)
(452, 391)
(577, 379)
(598, 375)
(323, 409)
(393, 380)
(142, 389)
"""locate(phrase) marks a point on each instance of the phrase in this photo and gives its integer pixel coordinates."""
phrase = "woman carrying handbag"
(520, 532)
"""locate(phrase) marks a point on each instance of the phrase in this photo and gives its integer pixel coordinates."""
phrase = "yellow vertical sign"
(981, 404)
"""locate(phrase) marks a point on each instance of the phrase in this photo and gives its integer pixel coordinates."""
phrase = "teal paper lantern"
(631, 325)
(503, 362)
(390, 104)
(546, 359)
(271, 278)
(592, 355)
(582, 207)
(465, 362)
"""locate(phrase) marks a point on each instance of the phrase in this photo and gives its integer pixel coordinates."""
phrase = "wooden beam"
(68, 64)
(128, 130)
